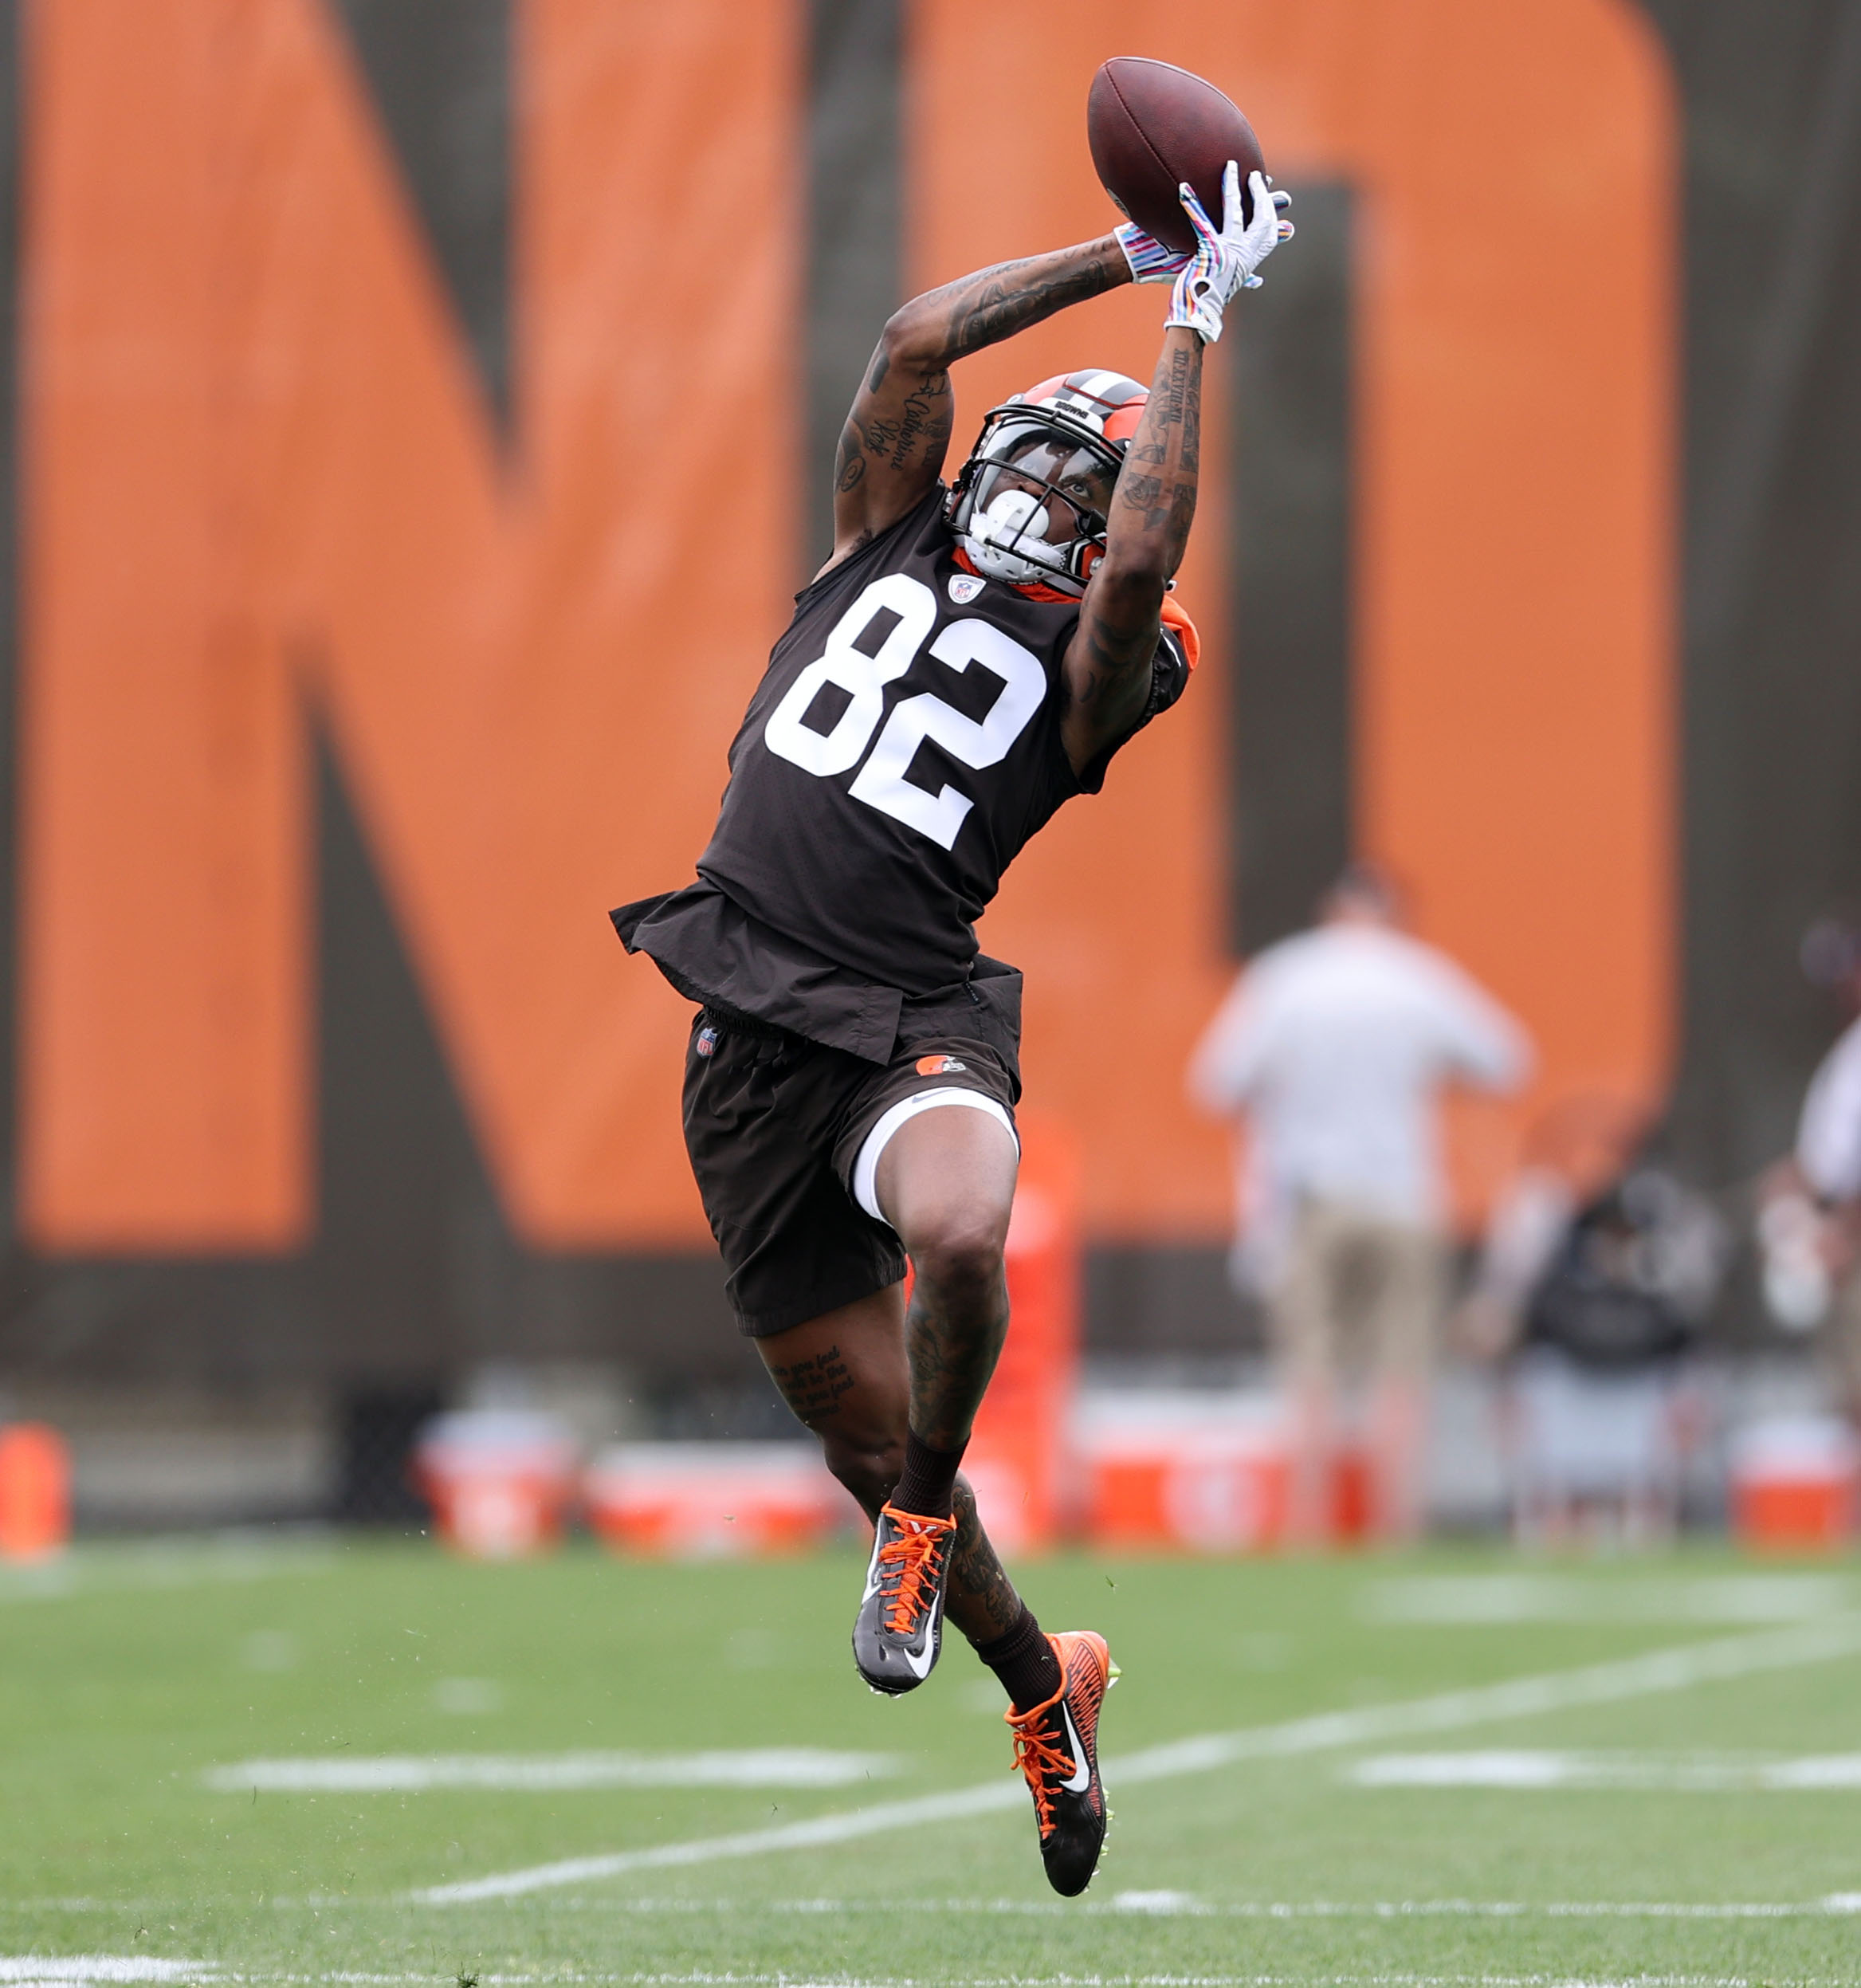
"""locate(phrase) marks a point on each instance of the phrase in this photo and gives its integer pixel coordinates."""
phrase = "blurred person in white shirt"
(1332, 1049)
(1809, 1204)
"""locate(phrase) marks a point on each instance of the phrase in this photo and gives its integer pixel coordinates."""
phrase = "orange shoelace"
(915, 1559)
(1038, 1757)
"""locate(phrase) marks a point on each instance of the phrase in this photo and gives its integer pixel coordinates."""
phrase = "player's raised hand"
(1151, 261)
(1227, 258)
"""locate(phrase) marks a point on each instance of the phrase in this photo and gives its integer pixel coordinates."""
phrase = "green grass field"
(1706, 1828)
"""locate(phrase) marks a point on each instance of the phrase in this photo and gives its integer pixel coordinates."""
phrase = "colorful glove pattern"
(1226, 257)
(1151, 261)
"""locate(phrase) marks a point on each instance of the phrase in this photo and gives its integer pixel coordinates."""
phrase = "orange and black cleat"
(900, 1626)
(1056, 1747)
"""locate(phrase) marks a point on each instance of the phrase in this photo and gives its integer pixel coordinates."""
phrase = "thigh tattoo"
(813, 1387)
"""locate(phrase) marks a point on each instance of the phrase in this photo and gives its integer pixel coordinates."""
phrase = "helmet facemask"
(1031, 503)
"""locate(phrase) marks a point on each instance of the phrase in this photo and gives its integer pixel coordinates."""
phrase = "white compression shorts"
(866, 1167)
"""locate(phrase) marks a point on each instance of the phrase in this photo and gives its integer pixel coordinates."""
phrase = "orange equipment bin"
(1198, 1473)
(1016, 1458)
(713, 1500)
(499, 1481)
(1795, 1484)
(35, 1491)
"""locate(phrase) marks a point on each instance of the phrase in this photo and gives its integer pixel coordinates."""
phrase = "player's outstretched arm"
(1153, 505)
(892, 449)
(1108, 665)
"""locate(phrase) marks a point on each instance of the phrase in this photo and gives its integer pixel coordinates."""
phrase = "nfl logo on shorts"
(707, 1042)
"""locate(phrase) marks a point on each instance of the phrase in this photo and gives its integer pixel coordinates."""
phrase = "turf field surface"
(316, 1762)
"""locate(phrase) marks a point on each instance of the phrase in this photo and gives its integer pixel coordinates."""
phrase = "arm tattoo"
(925, 426)
(1006, 304)
(898, 432)
(1110, 665)
(850, 464)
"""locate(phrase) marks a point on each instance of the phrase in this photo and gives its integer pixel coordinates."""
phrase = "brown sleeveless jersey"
(902, 746)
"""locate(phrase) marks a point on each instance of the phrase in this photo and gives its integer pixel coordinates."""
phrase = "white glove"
(1151, 261)
(1226, 257)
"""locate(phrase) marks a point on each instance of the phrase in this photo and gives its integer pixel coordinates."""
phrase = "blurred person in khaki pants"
(1332, 1049)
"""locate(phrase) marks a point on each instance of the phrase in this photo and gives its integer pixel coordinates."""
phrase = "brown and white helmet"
(1030, 504)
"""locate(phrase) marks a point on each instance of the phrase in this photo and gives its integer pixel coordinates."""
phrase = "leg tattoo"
(954, 1332)
(983, 1603)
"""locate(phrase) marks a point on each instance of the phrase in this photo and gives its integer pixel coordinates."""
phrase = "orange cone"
(35, 1491)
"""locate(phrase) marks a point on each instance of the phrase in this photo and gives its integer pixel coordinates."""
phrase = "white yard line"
(177, 1563)
(1186, 1905)
(109, 1968)
(551, 1774)
(1530, 1771)
(68, 1972)
(1750, 1600)
(1668, 1670)
(79, 1967)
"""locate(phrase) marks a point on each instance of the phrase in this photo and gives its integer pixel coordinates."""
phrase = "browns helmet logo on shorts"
(938, 1066)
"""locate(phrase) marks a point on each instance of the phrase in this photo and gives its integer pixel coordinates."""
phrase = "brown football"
(1152, 126)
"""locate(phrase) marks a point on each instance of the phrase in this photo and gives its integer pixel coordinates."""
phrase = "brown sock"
(1024, 1661)
(928, 1485)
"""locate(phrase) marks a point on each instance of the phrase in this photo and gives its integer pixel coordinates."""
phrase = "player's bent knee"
(961, 1259)
(869, 1469)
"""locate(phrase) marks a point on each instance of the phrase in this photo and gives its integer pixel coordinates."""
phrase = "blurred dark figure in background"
(1334, 1047)
(1809, 1204)
(1598, 1271)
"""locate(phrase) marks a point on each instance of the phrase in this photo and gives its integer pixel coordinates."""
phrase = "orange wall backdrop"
(261, 484)
(1514, 593)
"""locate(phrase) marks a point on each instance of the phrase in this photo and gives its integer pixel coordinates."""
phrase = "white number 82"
(881, 782)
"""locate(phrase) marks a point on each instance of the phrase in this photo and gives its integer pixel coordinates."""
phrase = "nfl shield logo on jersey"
(965, 586)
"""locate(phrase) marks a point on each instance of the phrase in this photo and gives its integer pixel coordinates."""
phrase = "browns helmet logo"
(938, 1066)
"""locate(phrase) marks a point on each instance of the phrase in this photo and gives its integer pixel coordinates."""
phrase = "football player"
(969, 658)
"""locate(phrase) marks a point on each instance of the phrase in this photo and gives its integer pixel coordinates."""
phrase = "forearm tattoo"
(899, 429)
(995, 304)
(1155, 500)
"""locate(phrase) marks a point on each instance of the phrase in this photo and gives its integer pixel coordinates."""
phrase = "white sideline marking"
(64, 1970)
(549, 1774)
(1748, 1599)
(735, 1978)
(1669, 1669)
(1173, 1904)
(179, 1563)
(1697, 1772)
(35, 1967)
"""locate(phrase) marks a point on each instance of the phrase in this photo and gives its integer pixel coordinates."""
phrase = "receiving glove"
(1151, 261)
(1226, 257)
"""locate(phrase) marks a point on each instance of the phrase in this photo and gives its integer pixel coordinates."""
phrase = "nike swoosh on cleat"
(921, 1669)
(1081, 1779)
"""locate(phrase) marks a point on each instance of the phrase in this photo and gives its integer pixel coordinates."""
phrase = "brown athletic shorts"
(784, 1136)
